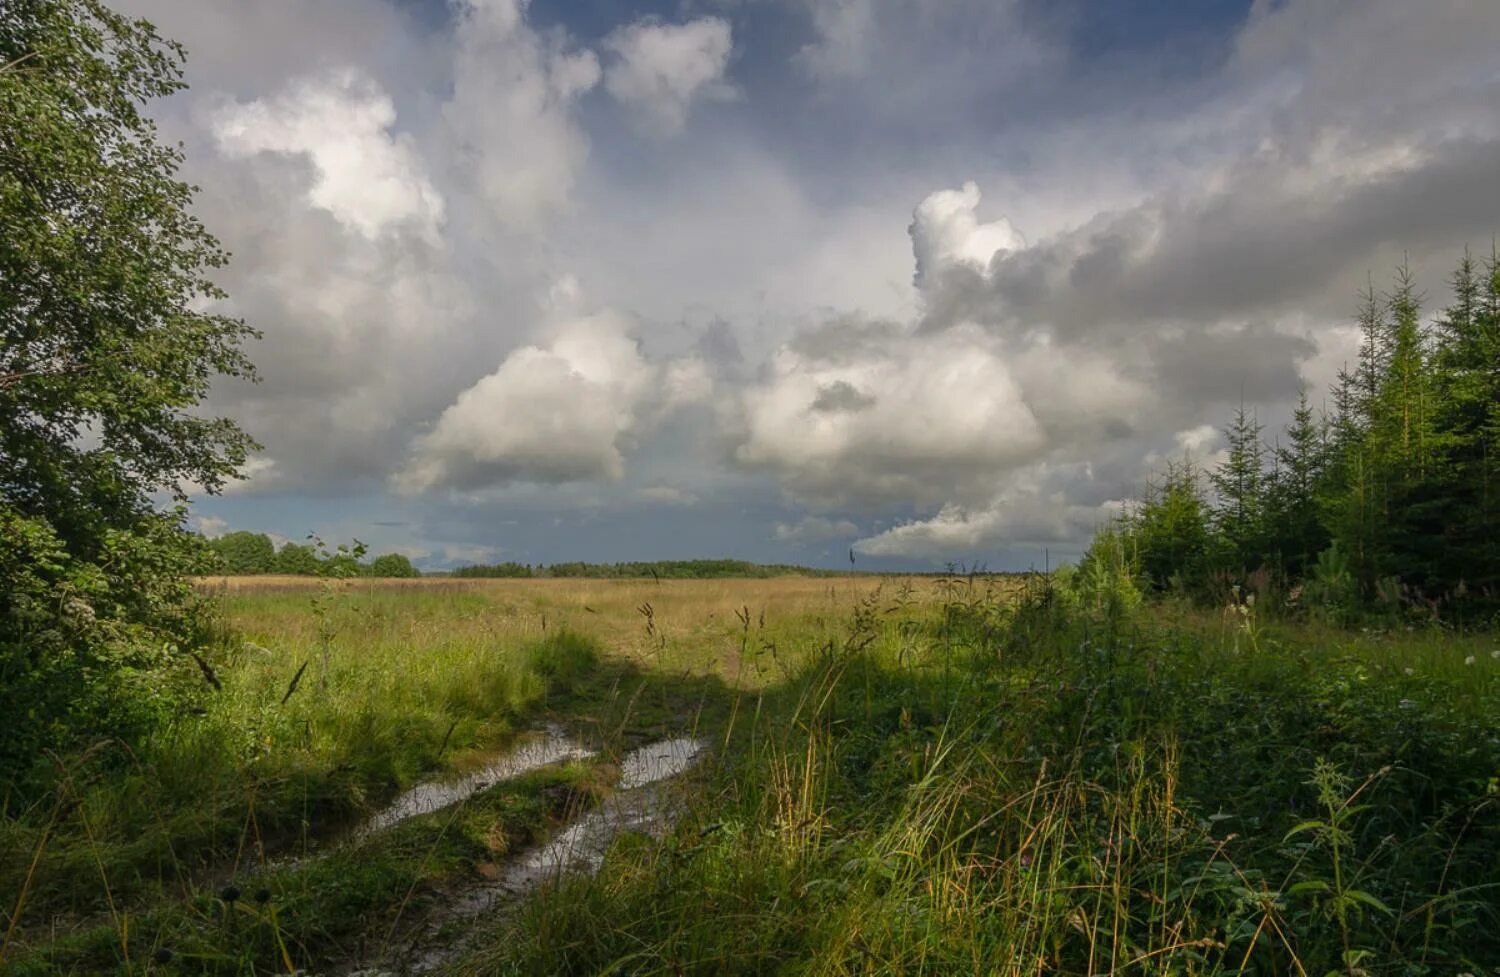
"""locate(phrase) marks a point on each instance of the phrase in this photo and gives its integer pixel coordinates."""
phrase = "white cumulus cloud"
(662, 68)
(367, 176)
(946, 230)
(510, 128)
(858, 414)
(1033, 509)
(565, 411)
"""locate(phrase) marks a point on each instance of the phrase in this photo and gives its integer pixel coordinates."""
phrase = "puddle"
(547, 747)
(641, 804)
(658, 761)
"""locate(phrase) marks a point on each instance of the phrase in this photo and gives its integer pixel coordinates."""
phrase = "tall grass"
(1008, 791)
(938, 778)
(330, 698)
(322, 713)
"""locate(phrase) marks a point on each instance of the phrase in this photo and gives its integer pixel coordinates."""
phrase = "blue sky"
(931, 280)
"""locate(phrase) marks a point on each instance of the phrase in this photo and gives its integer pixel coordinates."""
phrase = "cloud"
(368, 178)
(815, 529)
(1034, 510)
(845, 34)
(460, 554)
(661, 69)
(259, 473)
(945, 231)
(567, 411)
(862, 415)
(991, 420)
(667, 495)
(509, 130)
(419, 196)
(1270, 236)
(210, 526)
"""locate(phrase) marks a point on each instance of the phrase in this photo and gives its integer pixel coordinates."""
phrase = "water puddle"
(659, 761)
(641, 804)
(549, 746)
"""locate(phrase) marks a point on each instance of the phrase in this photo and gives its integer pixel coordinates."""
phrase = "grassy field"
(936, 776)
(334, 696)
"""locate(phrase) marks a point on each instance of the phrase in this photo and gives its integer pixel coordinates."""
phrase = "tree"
(296, 558)
(106, 353)
(1296, 530)
(1168, 532)
(392, 565)
(1465, 496)
(243, 553)
(1240, 510)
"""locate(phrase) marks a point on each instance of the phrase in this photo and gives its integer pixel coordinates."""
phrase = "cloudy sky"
(934, 280)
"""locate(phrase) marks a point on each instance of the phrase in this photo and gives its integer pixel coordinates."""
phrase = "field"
(958, 775)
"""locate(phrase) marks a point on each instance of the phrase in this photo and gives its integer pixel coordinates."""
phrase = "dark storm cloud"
(643, 269)
(1278, 236)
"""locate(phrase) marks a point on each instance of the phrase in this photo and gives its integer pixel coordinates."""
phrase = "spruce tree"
(1293, 512)
(1465, 557)
(1239, 515)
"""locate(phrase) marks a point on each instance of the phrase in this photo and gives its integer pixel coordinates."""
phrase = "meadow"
(952, 775)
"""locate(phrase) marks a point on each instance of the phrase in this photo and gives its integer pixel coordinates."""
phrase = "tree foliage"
(106, 353)
(247, 554)
(392, 565)
(659, 569)
(1391, 497)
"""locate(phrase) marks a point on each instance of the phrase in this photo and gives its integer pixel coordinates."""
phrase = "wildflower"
(1409, 671)
(1495, 653)
(1469, 660)
(162, 956)
(79, 610)
(262, 896)
(229, 893)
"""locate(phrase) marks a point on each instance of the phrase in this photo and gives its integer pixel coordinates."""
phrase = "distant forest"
(244, 554)
(1388, 498)
(661, 569)
(248, 554)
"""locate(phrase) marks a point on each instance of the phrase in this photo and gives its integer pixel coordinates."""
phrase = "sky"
(913, 281)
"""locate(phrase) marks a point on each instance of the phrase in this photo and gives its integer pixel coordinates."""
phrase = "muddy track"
(641, 804)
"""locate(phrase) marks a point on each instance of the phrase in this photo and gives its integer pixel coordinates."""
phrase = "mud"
(549, 746)
(642, 804)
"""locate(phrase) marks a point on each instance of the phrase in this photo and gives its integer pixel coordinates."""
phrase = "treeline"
(245, 553)
(1389, 496)
(660, 569)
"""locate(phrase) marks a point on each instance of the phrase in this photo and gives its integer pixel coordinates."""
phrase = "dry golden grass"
(700, 626)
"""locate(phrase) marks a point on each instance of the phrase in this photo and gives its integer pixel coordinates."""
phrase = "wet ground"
(640, 804)
(548, 746)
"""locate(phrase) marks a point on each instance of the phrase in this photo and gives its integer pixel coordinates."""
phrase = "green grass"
(998, 793)
(936, 780)
(279, 763)
(360, 899)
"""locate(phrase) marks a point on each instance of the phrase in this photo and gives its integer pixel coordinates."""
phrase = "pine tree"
(1239, 486)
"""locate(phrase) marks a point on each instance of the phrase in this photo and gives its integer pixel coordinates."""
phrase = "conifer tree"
(1240, 504)
(1169, 531)
(1293, 513)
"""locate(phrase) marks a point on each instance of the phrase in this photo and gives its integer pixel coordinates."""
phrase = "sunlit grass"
(907, 778)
